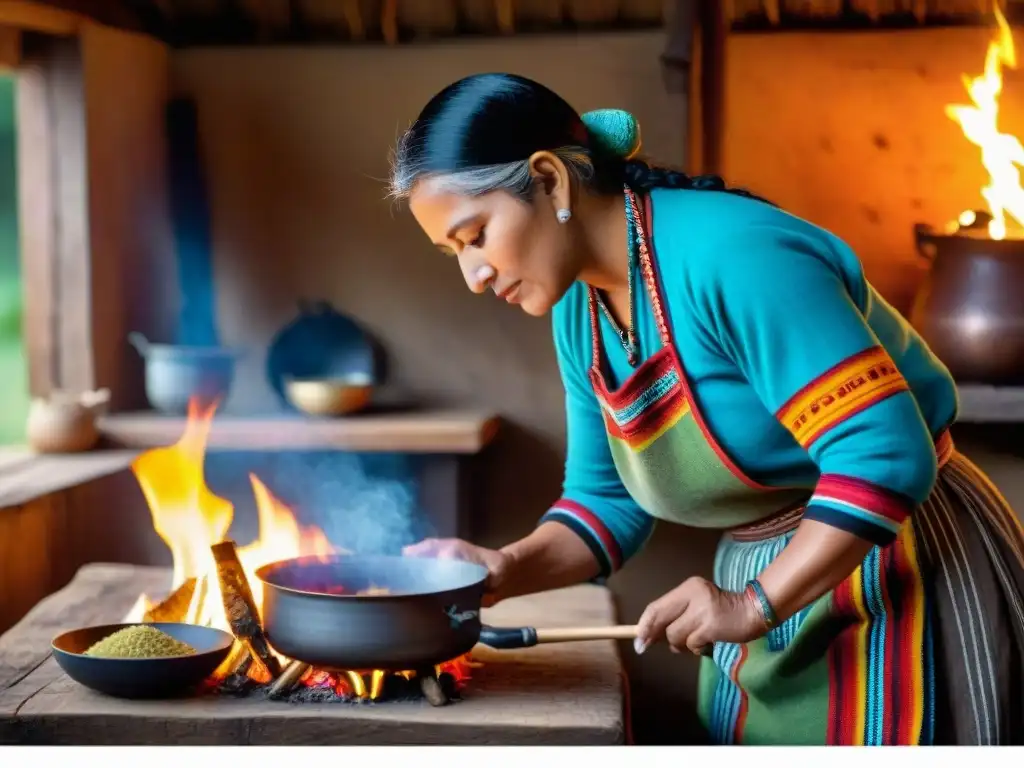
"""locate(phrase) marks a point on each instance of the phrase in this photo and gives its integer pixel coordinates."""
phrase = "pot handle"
(510, 638)
(140, 342)
(924, 239)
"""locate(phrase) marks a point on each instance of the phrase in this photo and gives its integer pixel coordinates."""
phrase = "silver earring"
(563, 215)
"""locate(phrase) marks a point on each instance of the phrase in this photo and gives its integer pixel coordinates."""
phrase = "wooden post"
(10, 48)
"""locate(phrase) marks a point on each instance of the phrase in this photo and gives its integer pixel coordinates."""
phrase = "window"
(14, 391)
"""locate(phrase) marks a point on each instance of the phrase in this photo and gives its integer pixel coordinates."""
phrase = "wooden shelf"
(981, 404)
(449, 432)
(25, 475)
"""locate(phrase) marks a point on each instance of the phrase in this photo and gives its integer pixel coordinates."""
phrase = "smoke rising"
(365, 503)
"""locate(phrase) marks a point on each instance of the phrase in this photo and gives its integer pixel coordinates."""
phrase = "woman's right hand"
(497, 563)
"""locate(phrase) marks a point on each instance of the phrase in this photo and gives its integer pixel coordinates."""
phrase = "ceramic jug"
(65, 422)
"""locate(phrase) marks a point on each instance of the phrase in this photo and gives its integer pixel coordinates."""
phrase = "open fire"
(1002, 154)
(209, 572)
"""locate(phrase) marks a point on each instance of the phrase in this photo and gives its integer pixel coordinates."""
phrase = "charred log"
(288, 679)
(242, 614)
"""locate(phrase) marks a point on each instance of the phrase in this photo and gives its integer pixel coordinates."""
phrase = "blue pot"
(176, 374)
(322, 344)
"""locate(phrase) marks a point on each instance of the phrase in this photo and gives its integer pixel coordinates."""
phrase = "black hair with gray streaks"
(477, 135)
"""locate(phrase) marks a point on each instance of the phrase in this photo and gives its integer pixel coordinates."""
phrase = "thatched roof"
(227, 22)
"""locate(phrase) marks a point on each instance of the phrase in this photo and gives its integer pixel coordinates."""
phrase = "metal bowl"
(329, 397)
(158, 678)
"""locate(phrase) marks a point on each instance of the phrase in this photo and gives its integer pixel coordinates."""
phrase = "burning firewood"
(432, 690)
(237, 662)
(242, 613)
(288, 679)
(175, 606)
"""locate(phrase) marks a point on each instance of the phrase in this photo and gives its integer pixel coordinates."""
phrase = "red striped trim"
(842, 669)
(875, 399)
(611, 426)
(896, 716)
(860, 408)
(593, 522)
(650, 421)
(896, 646)
(846, 389)
(816, 382)
(788, 518)
(907, 644)
(741, 714)
(865, 495)
(656, 366)
(653, 420)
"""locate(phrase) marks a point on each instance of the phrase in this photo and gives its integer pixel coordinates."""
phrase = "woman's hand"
(495, 562)
(696, 614)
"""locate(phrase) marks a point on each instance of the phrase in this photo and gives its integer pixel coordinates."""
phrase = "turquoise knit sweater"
(762, 306)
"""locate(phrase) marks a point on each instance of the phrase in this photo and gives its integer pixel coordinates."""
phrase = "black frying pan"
(430, 614)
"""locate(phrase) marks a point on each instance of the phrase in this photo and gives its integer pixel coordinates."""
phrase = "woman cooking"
(727, 365)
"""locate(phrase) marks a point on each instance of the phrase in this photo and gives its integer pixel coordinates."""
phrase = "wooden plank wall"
(44, 541)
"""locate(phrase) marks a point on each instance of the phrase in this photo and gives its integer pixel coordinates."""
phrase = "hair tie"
(613, 131)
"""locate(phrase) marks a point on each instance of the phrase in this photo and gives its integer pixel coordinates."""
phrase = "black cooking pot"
(970, 309)
(429, 614)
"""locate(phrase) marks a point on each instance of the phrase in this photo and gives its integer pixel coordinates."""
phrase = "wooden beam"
(132, 16)
(38, 17)
(65, 17)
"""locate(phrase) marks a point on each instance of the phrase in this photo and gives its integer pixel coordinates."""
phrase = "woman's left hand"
(696, 614)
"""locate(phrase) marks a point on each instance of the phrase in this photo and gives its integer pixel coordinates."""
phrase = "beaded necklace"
(627, 336)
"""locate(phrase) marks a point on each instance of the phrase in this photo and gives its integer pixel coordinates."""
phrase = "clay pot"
(970, 308)
(65, 423)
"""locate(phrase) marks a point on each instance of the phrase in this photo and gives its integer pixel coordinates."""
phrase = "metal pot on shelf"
(970, 308)
(177, 373)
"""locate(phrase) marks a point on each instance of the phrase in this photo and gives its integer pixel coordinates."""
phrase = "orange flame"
(190, 519)
(1001, 154)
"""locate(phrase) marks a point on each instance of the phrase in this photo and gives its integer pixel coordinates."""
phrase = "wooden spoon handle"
(571, 634)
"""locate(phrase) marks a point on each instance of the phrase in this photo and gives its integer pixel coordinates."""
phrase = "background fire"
(1001, 153)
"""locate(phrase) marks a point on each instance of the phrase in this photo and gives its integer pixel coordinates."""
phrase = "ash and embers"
(320, 687)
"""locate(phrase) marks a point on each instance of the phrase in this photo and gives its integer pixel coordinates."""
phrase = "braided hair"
(641, 176)
(477, 135)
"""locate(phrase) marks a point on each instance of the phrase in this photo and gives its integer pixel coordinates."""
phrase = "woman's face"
(517, 249)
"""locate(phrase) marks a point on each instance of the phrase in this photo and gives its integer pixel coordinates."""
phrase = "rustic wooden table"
(569, 694)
